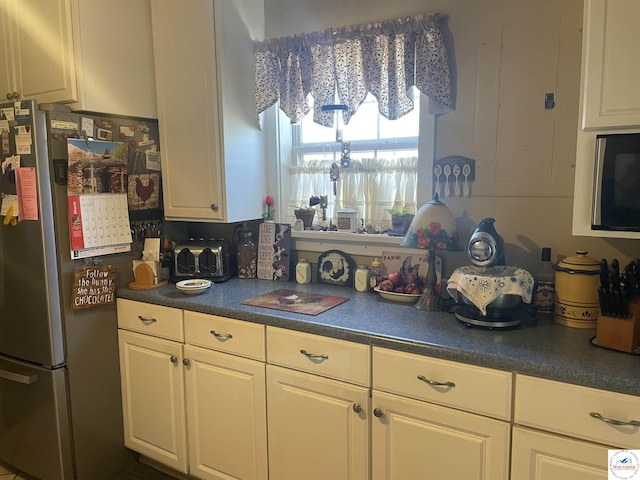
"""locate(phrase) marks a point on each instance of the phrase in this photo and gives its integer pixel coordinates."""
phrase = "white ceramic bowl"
(193, 286)
(399, 297)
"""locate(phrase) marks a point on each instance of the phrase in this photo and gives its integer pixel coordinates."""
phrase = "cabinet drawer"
(156, 320)
(325, 356)
(567, 409)
(225, 334)
(470, 388)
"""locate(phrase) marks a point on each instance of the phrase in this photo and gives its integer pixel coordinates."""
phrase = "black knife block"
(621, 334)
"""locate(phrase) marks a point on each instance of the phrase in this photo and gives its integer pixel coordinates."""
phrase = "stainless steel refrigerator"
(60, 403)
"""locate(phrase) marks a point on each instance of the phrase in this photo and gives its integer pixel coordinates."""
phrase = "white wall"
(527, 217)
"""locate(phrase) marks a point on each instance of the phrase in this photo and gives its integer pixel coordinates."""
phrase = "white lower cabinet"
(417, 435)
(318, 422)
(564, 431)
(199, 407)
(544, 456)
(199, 398)
(152, 378)
(226, 416)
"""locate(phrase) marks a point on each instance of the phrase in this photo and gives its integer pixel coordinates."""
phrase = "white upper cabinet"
(212, 153)
(114, 57)
(38, 51)
(611, 97)
(95, 55)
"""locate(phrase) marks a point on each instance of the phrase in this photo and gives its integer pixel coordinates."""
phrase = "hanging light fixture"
(345, 147)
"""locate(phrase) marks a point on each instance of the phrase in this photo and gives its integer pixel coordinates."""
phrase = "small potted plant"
(307, 213)
(400, 221)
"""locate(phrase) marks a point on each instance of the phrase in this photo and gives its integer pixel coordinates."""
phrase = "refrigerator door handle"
(18, 377)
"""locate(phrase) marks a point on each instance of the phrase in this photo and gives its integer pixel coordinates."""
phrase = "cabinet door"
(226, 412)
(318, 428)
(187, 90)
(44, 59)
(153, 398)
(542, 456)
(414, 440)
(610, 72)
(7, 82)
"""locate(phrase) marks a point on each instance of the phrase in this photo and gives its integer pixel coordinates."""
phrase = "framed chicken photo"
(143, 191)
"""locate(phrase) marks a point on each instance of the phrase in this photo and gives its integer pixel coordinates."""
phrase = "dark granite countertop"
(538, 347)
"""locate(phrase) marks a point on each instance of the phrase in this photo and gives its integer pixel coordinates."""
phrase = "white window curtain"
(370, 186)
(384, 58)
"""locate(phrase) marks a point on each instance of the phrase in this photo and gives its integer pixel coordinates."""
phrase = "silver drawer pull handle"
(611, 421)
(147, 321)
(314, 356)
(221, 336)
(18, 377)
(434, 383)
(173, 359)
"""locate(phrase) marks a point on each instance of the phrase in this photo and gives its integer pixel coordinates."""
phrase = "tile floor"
(135, 471)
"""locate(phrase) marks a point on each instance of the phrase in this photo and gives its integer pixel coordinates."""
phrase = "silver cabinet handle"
(357, 408)
(173, 359)
(611, 421)
(314, 356)
(186, 362)
(147, 321)
(214, 207)
(378, 412)
(221, 336)
(434, 383)
(18, 377)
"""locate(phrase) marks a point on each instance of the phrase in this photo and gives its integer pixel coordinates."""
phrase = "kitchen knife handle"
(604, 274)
(615, 274)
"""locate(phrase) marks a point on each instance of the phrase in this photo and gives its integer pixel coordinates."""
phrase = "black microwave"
(616, 183)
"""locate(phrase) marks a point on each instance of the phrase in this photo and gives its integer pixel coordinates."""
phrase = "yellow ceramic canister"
(576, 295)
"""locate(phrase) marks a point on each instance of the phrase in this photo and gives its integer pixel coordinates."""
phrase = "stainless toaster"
(209, 259)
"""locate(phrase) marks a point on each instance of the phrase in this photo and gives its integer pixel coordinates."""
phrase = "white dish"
(399, 297)
(193, 286)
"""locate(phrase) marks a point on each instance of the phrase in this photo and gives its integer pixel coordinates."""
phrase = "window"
(387, 59)
(382, 174)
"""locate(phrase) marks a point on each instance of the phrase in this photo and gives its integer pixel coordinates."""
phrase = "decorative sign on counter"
(274, 250)
(93, 286)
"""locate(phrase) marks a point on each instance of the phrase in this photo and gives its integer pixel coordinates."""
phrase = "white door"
(152, 376)
(415, 440)
(318, 428)
(543, 456)
(227, 419)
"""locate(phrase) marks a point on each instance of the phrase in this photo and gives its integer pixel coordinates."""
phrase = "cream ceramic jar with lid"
(576, 295)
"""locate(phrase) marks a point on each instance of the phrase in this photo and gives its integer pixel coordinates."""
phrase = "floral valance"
(343, 65)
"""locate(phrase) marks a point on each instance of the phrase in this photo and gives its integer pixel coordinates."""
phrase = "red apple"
(386, 286)
(395, 278)
(399, 289)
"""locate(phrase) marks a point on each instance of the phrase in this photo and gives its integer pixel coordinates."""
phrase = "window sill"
(371, 245)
